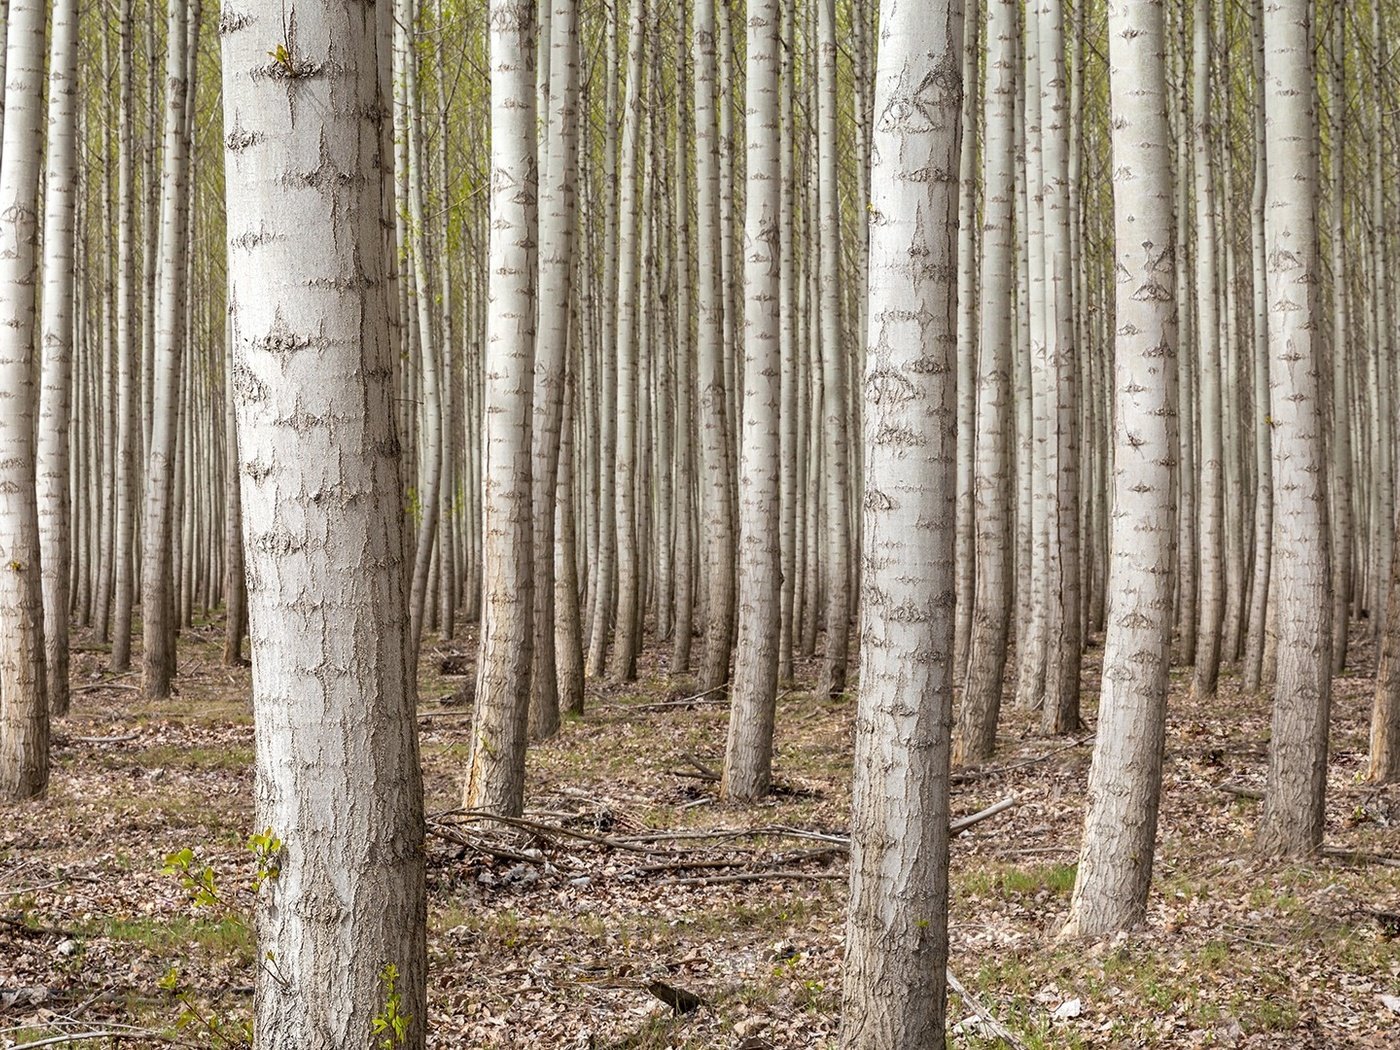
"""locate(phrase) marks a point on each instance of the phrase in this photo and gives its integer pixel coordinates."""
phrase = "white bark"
(717, 492)
(556, 262)
(749, 753)
(157, 570)
(1120, 828)
(56, 341)
(991, 488)
(1293, 817)
(893, 995)
(24, 710)
(496, 777)
(836, 453)
(338, 775)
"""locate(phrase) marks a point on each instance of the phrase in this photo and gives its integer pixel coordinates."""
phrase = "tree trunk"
(334, 700)
(718, 498)
(1120, 828)
(24, 709)
(893, 994)
(128, 403)
(56, 340)
(556, 262)
(1212, 493)
(496, 776)
(158, 623)
(991, 489)
(836, 450)
(749, 754)
(627, 636)
(1293, 817)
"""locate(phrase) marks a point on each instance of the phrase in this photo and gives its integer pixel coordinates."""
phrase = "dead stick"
(957, 827)
(986, 1016)
(755, 876)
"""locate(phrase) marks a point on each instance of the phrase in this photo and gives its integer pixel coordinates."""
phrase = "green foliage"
(196, 878)
(267, 851)
(391, 1024)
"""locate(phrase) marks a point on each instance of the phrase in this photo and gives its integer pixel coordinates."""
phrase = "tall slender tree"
(56, 342)
(748, 755)
(1292, 821)
(24, 708)
(158, 621)
(496, 774)
(1115, 863)
(893, 992)
(338, 775)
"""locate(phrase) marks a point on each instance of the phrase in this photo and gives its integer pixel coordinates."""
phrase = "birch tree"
(1115, 862)
(338, 779)
(893, 990)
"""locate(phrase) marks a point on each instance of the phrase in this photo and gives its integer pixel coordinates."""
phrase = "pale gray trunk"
(1125, 777)
(556, 262)
(24, 708)
(1212, 492)
(496, 775)
(338, 778)
(158, 621)
(56, 340)
(1293, 817)
(718, 497)
(836, 452)
(749, 753)
(893, 991)
(991, 487)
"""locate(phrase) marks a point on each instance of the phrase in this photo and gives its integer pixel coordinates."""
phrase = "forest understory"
(628, 871)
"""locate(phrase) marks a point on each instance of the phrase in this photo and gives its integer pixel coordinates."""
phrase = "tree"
(556, 261)
(991, 604)
(718, 502)
(1292, 821)
(628, 611)
(1115, 863)
(1212, 491)
(496, 774)
(893, 992)
(24, 709)
(56, 342)
(338, 776)
(157, 569)
(749, 753)
(128, 403)
(835, 453)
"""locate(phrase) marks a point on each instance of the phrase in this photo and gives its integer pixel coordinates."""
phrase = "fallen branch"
(960, 825)
(1240, 791)
(967, 776)
(24, 929)
(555, 829)
(1356, 856)
(755, 876)
(988, 1019)
(92, 686)
(481, 847)
(73, 1037)
(124, 738)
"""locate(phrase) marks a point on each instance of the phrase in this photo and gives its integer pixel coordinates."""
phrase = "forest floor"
(548, 937)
